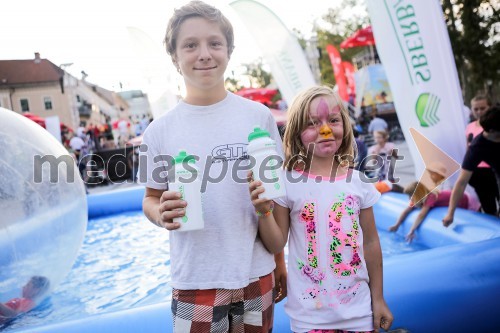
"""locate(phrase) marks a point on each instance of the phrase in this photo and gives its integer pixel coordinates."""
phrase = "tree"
(259, 77)
(339, 23)
(473, 27)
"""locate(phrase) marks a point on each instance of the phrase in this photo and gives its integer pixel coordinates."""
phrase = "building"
(40, 87)
(138, 103)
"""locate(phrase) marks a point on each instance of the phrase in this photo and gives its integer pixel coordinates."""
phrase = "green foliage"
(473, 27)
(259, 77)
(339, 25)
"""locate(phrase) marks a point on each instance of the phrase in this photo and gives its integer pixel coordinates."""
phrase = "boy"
(222, 276)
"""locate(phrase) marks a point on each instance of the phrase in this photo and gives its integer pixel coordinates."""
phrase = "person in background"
(483, 179)
(144, 123)
(386, 151)
(484, 147)
(223, 270)
(377, 124)
(335, 260)
(359, 161)
(133, 163)
(32, 292)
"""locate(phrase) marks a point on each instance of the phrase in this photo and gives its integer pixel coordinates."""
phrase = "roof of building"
(14, 72)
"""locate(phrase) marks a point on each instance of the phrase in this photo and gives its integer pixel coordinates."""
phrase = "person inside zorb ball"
(43, 214)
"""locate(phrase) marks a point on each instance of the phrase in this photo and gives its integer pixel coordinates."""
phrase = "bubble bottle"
(187, 181)
(267, 167)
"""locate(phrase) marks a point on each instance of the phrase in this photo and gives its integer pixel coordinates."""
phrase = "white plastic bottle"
(187, 181)
(267, 168)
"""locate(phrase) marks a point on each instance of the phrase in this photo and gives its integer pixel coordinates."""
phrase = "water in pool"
(124, 263)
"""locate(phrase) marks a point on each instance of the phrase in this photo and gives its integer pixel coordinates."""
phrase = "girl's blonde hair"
(417, 192)
(298, 118)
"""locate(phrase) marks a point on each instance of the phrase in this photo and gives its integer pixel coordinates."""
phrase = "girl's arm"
(401, 218)
(280, 274)
(382, 316)
(274, 220)
(273, 229)
(418, 221)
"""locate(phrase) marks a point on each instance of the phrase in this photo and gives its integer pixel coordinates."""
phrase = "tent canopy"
(362, 37)
(41, 121)
(261, 95)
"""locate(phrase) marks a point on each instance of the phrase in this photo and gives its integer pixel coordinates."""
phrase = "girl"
(335, 262)
(422, 197)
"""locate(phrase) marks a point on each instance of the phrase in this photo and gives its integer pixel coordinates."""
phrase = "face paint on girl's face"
(325, 129)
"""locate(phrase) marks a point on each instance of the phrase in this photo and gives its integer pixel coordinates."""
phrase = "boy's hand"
(171, 206)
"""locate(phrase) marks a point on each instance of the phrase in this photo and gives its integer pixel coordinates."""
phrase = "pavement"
(404, 171)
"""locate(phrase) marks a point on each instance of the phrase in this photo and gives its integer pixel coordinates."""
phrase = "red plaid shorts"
(244, 310)
(336, 331)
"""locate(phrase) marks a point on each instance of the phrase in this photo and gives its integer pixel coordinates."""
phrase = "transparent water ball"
(43, 207)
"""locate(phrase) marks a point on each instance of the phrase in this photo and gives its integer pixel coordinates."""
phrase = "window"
(47, 101)
(78, 98)
(25, 107)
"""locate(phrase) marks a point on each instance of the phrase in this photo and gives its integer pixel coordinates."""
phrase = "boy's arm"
(382, 316)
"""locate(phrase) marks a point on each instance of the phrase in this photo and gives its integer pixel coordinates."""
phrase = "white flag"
(279, 47)
(413, 44)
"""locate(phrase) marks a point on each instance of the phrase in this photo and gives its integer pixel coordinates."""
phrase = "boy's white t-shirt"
(327, 274)
(227, 252)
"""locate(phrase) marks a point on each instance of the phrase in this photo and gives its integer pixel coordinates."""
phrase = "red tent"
(41, 121)
(362, 37)
(37, 119)
(261, 95)
(115, 123)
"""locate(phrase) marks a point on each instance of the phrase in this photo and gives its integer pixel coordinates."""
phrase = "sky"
(95, 36)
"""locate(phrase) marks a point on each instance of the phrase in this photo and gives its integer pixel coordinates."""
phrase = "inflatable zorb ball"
(43, 206)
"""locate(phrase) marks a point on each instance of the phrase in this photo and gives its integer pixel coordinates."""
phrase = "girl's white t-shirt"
(327, 274)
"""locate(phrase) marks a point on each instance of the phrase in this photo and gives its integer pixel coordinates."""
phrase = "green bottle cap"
(258, 133)
(184, 157)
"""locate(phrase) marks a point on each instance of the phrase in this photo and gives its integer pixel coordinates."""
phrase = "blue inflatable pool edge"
(454, 286)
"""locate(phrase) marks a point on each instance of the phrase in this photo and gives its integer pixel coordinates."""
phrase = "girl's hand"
(255, 186)
(382, 316)
(410, 236)
(394, 228)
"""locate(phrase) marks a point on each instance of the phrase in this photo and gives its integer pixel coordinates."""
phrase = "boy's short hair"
(197, 9)
(490, 120)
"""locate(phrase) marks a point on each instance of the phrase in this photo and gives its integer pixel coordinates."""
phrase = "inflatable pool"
(454, 286)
